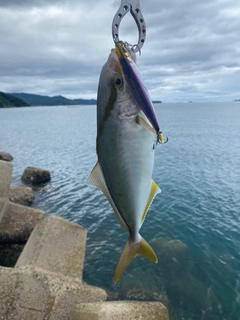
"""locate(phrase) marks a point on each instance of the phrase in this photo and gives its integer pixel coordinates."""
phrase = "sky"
(58, 47)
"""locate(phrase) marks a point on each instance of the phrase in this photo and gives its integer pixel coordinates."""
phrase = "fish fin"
(145, 124)
(153, 192)
(97, 179)
(129, 252)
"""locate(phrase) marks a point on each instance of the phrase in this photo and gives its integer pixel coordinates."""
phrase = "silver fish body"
(125, 158)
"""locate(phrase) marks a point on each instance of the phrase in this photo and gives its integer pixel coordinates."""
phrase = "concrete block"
(26, 294)
(72, 295)
(124, 310)
(36, 294)
(23, 295)
(56, 245)
(19, 313)
(18, 222)
(8, 281)
(9, 253)
(21, 195)
(32, 290)
(5, 178)
(3, 207)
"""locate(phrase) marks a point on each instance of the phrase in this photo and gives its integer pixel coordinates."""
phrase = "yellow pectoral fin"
(153, 192)
(97, 179)
(129, 253)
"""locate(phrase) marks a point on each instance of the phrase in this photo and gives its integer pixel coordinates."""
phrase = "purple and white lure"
(135, 82)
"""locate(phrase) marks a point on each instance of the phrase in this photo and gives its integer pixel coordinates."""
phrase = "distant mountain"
(38, 100)
(8, 101)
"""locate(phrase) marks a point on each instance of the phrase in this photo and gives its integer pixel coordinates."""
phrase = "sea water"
(193, 225)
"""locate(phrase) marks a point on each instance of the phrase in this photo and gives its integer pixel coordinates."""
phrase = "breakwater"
(46, 281)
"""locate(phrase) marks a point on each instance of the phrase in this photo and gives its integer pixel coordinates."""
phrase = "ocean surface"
(193, 225)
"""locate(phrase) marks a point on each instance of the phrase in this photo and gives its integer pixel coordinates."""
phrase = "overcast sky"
(58, 47)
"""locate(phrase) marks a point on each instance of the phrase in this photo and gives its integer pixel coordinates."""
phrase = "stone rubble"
(35, 176)
(6, 156)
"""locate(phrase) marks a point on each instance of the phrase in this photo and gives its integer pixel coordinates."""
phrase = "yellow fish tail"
(129, 252)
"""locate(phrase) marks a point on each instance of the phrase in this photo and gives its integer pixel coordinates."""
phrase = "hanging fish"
(126, 136)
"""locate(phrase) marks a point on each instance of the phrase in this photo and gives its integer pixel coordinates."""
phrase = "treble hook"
(161, 139)
(134, 7)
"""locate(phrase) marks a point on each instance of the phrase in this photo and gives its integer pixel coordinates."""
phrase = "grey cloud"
(41, 3)
(58, 47)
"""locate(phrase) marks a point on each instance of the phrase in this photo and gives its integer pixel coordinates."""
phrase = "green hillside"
(9, 101)
(38, 100)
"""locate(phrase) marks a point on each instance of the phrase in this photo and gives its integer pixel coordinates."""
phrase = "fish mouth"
(133, 78)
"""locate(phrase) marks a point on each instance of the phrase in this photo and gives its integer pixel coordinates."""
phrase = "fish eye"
(117, 81)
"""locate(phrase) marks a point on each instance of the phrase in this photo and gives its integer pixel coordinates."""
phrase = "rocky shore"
(46, 281)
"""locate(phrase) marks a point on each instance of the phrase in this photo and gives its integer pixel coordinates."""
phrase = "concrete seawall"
(46, 282)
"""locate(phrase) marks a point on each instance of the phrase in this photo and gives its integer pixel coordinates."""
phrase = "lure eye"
(117, 81)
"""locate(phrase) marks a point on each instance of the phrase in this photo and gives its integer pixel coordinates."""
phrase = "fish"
(125, 147)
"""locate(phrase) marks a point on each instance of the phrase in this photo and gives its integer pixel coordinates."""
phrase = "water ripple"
(198, 171)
